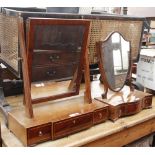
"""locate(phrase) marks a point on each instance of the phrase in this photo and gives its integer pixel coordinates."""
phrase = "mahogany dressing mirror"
(56, 50)
(114, 56)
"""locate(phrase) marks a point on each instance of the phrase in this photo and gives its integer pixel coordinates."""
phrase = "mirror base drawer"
(72, 125)
(100, 115)
(147, 102)
(31, 132)
(39, 134)
(126, 103)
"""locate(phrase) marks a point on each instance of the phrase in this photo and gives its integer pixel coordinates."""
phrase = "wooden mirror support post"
(61, 114)
(115, 70)
(27, 95)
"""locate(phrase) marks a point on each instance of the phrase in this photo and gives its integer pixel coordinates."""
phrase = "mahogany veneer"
(56, 119)
(126, 102)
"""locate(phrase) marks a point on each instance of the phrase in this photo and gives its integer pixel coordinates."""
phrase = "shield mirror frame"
(100, 55)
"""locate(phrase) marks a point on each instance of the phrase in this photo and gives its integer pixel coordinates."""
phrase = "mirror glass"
(115, 56)
(55, 59)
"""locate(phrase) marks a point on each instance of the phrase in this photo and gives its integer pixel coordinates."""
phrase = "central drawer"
(133, 108)
(53, 72)
(48, 57)
(72, 125)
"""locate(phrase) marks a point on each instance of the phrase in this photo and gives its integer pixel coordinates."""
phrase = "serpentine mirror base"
(126, 102)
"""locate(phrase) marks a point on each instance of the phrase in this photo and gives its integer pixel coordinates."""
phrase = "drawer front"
(122, 110)
(100, 115)
(147, 103)
(39, 134)
(55, 57)
(53, 72)
(133, 108)
(72, 125)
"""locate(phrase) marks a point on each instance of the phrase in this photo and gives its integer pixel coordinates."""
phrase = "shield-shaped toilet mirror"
(114, 55)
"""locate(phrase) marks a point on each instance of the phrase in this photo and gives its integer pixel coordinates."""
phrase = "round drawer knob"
(74, 121)
(57, 57)
(51, 58)
(40, 133)
(100, 115)
(51, 73)
(120, 113)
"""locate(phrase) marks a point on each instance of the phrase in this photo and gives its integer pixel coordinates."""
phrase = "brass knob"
(57, 57)
(120, 113)
(40, 133)
(51, 73)
(51, 58)
(100, 115)
(74, 121)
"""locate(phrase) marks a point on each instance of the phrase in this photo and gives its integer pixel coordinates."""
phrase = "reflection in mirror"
(55, 59)
(115, 56)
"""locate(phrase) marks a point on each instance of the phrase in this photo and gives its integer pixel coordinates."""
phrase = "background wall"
(141, 11)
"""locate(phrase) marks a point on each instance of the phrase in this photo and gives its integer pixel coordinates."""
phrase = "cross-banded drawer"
(39, 134)
(72, 125)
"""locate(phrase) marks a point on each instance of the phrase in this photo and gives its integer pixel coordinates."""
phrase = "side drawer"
(53, 72)
(72, 125)
(39, 134)
(147, 102)
(100, 115)
(58, 57)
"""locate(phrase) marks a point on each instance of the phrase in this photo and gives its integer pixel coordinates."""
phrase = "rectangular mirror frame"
(26, 54)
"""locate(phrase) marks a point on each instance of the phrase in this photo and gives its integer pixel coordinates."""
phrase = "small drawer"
(72, 125)
(39, 134)
(53, 72)
(100, 115)
(147, 103)
(133, 108)
(47, 57)
(127, 109)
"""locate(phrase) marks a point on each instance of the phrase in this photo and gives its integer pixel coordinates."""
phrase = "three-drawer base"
(56, 120)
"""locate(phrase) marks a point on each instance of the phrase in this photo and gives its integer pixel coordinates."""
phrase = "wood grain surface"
(108, 133)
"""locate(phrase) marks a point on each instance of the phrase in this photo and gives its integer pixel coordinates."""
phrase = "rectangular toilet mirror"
(55, 50)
